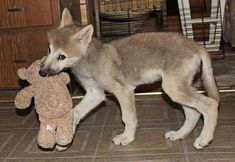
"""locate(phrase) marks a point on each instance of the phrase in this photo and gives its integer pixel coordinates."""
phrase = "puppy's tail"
(208, 79)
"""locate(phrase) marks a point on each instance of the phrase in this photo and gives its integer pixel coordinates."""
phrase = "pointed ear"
(85, 35)
(66, 18)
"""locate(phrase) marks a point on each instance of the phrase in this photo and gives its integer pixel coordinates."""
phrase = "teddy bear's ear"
(22, 73)
(37, 63)
(65, 77)
(43, 58)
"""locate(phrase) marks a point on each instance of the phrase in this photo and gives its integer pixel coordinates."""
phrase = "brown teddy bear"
(53, 104)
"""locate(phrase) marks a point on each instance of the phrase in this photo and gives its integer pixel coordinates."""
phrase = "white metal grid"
(215, 20)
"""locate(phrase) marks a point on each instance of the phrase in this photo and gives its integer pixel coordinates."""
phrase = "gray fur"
(121, 65)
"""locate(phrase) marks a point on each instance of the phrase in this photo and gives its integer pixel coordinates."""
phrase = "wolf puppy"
(123, 64)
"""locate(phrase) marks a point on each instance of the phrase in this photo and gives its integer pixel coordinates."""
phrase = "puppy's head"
(67, 45)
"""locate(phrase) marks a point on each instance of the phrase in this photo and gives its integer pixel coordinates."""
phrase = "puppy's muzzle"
(47, 72)
(42, 73)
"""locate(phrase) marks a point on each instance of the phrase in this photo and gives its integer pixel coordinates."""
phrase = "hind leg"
(191, 118)
(208, 107)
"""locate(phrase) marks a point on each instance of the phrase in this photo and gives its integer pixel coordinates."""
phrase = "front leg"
(94, 96)
(126, 98)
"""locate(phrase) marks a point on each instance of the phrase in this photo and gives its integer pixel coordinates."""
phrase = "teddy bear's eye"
(61, 57)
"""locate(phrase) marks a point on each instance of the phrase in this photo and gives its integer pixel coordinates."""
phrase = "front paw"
(202, 142)
(123, 139)
(61, 148)
(63, 141)
(173, 135)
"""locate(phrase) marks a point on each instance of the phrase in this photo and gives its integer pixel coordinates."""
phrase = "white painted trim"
(216, 18)
(160, 93)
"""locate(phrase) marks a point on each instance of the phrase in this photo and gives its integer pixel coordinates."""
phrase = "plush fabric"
(53, 104)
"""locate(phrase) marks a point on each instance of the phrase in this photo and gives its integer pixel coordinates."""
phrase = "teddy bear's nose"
(43, 73)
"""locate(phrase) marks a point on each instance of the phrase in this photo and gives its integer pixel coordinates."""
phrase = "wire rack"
(131, 5)
(125, 17)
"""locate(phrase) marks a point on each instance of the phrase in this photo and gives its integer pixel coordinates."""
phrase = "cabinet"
(23, 35)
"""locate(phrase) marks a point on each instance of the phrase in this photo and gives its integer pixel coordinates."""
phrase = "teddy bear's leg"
(46, 136)
(64, 133)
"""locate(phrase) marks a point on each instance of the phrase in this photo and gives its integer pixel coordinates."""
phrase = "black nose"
(43, 73)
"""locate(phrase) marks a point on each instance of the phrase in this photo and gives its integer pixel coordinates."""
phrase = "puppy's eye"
(61, 57)
(48, 50)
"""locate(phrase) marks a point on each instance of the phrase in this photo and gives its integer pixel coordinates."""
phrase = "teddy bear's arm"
(23, 98)
(65, 77)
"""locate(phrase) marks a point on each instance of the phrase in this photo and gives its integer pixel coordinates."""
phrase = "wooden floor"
(93, 139)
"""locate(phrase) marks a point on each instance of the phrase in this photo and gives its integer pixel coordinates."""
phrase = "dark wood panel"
(19, 50)
(23, 35)
(25, 13)
(38, 45)
(13, 47)
(13, 55)
(12, 13)
(39, 13)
